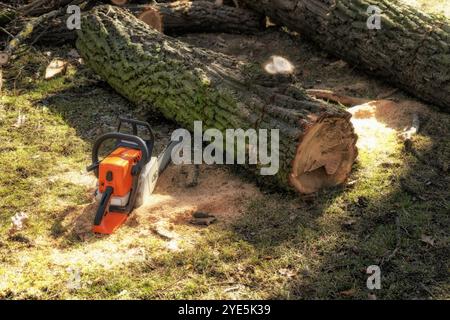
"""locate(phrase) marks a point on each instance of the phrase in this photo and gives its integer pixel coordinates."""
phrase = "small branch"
(6, 31)
(336, 97)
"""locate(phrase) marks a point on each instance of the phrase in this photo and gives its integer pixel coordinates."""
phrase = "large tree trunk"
(411, 50)
(184, 83)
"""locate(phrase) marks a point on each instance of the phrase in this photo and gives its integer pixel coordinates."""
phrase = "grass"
(282, 247)
(434, 6)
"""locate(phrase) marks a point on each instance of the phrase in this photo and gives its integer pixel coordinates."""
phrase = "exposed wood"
(151, 15)
(119, 2)
(411, 50)
(55, 68)
(185, 84)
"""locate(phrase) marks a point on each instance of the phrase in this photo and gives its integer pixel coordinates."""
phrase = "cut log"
(187, 84)
(172, 18)
(198, 16)
(411, 50)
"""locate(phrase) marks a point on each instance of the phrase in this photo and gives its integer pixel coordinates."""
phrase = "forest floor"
(393, 212)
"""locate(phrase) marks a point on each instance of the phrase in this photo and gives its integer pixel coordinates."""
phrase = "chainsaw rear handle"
(122, 138)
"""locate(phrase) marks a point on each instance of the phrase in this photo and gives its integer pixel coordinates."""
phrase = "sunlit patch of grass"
(433, 6)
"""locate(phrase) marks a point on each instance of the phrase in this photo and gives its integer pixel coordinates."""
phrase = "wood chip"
(161, 229)
(4, 57)
(427, 239)
(56, 67)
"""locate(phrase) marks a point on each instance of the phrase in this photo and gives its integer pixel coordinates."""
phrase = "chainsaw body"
(120, 175)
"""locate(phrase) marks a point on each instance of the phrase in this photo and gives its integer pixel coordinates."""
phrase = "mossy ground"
(393, 213)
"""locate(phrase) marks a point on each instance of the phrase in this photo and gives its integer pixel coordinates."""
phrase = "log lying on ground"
(172, 18)
(411, 50)
(199, 16)
(185, 84)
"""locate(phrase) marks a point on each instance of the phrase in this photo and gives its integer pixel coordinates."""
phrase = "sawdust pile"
(379, 121)
(395, 115)
(218, 192)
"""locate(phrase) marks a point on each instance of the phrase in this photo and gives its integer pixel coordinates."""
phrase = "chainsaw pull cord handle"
(140, 145)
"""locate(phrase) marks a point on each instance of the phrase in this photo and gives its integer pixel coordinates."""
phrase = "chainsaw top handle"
(129, 140)
(135, 123)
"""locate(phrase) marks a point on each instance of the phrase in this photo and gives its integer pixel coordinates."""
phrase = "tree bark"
(411, 50)
(187, 84)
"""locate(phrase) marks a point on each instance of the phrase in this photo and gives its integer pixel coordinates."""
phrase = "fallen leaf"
(427, 239)
(56, 67)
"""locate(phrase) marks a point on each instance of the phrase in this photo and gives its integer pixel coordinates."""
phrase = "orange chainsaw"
(127, 175)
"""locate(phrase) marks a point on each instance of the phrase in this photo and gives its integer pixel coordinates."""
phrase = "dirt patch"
(395, 115)
(218, 192)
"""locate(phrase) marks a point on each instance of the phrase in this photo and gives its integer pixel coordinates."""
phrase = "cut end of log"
(4, 57)
(119, 2)
(325, 155)
(152, 17)
(55, 68)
